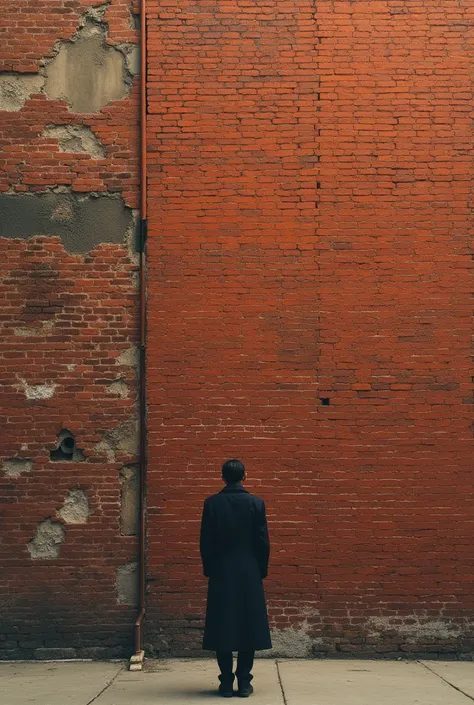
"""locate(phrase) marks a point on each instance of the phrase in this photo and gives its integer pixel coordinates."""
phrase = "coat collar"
(233, 488)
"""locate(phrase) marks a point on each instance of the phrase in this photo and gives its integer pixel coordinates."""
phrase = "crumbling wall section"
(69, 328)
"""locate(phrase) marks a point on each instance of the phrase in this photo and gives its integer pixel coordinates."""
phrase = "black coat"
(235, 549)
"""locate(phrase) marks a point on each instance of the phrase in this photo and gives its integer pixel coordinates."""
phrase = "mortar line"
(446, 681)
(107, 685)
(285, 701)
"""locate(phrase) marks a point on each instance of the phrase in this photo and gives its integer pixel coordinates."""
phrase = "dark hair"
(233, 471)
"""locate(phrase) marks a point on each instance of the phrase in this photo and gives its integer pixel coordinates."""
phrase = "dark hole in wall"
(67, 448)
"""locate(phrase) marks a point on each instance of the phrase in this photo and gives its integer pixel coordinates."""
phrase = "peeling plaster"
(119, 388)
(14, 467)
(75, 509)
(129, 357)
(86, 71)
(75, 138)
(33, 331)
(38, 391)
(127, 584)
(125, 437)
(16, 88)
(129, 500)
(47, 540)
(132, 58)
(294, 642)
(414, 629)
(297, 640)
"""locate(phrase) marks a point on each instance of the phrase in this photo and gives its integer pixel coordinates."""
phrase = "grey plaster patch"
(294, 642)
(38, 391)
(81, 222)
(125, 437)
(47, 540)
(75, 509)
(119, 388)
(127, 584)
(14, 467)
(103, 448)
(129, 500)
(16, 88)
(33, 331)
(133, 235)
(129, 357)
(75, 138)
(86, 71)
(132, 59)
(97, 13)
(414, 629)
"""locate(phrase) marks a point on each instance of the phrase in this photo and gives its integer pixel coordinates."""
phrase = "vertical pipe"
(142, 365)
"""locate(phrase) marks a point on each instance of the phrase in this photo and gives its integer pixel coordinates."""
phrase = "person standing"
(235, 549)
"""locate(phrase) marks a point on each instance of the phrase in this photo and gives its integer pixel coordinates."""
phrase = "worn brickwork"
(310, 311)
(69, 330)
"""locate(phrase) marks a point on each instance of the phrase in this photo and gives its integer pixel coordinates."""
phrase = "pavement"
(277, 682)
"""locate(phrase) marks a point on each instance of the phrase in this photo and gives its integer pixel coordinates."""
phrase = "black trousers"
(244, 665)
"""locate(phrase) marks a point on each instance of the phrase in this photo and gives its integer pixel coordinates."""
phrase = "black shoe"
(226, 688)
(245, 690)
(226, 691)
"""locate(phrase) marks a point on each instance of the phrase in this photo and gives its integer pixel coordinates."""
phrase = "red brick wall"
(309, 239)
(69, 329)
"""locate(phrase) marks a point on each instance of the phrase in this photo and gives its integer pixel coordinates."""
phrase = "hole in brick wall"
(137, 21)
(325, 401)
(67, 448)
(318, 184)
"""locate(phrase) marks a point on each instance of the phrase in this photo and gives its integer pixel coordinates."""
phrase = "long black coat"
(235, 549)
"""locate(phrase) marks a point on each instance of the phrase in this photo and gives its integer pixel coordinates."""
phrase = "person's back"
(235, 550)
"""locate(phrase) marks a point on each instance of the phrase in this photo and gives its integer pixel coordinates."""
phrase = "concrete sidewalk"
(280, 682)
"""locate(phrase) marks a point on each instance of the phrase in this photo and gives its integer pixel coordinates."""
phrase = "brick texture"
(310, 311)
(69, 330)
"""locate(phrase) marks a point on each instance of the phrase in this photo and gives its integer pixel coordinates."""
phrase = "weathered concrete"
(75, 138)
(75, 509)
(81, 222)
(127, 584)
(47, 541)
(457, 673)
(15, 467)
(16, 88)
(129, 500)
(87, 72)
(365, 683)
(181, 682)
(54, 683)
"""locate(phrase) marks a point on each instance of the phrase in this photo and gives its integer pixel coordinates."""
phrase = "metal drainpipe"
(137, 660)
